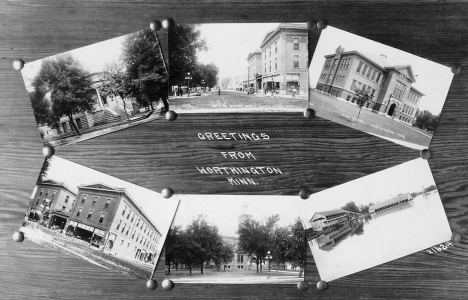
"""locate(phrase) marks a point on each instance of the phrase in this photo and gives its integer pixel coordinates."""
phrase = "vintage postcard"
(239, 67)
(99, 218)
(374, 219)
(377, 89)
(98, 89)
(235, 240)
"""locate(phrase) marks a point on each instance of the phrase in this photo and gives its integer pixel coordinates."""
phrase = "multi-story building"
(390, 86)
(323, 220)
(51, 203)
(285, 59)
(108, 218)
(390, 203)
(254, 69)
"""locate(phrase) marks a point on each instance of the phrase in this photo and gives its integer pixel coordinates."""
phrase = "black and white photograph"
(98, 218)
(374, 219)
(235, 240)
(98, 89)
(238, 67)
(377, 89)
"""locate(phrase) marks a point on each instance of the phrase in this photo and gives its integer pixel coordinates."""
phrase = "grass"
(346, 113)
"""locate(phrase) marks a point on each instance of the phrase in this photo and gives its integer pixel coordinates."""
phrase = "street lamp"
(188, 78)
(269, 257)
(203, 85)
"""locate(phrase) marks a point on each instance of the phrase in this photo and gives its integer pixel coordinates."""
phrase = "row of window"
(408, 110)
(95, 199)
(413, 97)
(368, 72)
(269, 50)
(361, 86)
(399, 90)
(345, 63)
(405, 119)
(295, 63)
(67, 126)
(139, 223)
(340, 78)
(145, 243)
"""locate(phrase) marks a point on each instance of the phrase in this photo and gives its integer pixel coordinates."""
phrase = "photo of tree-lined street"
(220, 68)
(377, 89)
(229, 239)
(98, 89)
(380, 217)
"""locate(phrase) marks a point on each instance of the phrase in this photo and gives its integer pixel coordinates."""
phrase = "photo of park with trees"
(98, 89)
(244, 248)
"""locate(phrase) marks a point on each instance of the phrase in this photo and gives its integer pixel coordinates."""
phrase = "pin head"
(167, 284)
(18, 64)
(155, 25)
(18, 236)
(302, 286)
(168, 23)
(151, 284)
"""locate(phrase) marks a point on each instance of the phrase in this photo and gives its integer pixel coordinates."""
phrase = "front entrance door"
(391, 109)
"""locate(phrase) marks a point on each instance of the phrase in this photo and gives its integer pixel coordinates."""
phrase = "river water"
(382, 237)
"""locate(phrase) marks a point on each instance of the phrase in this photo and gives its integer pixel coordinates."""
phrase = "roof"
(328, 213)
(270, 34)
(256, 51)
(61, 184)
(389, 201)
(417, 91)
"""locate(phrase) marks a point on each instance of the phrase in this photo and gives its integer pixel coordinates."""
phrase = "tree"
(281, 244)
(426, 121)
(45, 168)
(67, 85)
(223, 255)
(351, 206)
(225, 81)
(146, 75)
(116, 83)
(207, 73)
(256, 239)
(184, 43)
(296, 252)
(362, 96)
(173, 246)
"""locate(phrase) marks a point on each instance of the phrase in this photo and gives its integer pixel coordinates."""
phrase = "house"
(321, 221)
(110, 219)
(284, 53)
(390, 203)
(391, 86)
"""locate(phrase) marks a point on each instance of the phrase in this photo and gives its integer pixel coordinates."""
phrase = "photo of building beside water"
(381, 217)
(91, 215)
(377, 89)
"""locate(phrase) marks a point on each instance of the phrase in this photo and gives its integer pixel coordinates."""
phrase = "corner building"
(108, 218)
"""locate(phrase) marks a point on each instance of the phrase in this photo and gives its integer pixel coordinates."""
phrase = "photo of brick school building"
(391, 86)
(101, 216)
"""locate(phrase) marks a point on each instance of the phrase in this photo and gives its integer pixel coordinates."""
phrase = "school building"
(390, 86)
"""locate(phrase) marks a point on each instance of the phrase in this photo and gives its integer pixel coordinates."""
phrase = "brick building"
(391, 86)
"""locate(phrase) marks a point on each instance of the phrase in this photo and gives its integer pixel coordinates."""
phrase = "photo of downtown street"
(238, 67)
(235, 240)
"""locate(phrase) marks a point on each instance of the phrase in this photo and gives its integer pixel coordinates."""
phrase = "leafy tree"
(188, 249)
(225, 81)
(426, 121)
(281, 244)
(223, 255)
(116, 83)
(256, 239)
(207, 73)
(351, 206)
(146, 76)
(184, 43)
(362, 97)
(296, 252)
(67, 85)
(173, 246)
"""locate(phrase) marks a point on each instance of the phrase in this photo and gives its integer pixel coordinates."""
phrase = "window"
(327, 64)
(128, 216)
(276, 64)
(349, 97)
(378, 77)
(37, 203)
(94, 200)
(265, 57)
(365, 69)
(40, 193)
(118, 225)
(66, 199)
(269, 51)
(373, 74)
(265, 67)
(399, 90)
(269, 66)
(240, 258)
(128, 245)
(276, 47)
(84, 198)
(138, 223)
(353, 85)
(71, 126)
(359, 67)
(342, 78)
(319, 87)
(53, 194)
(133, 217)
(133, 234)
(335, 61)
(123, 212)
(79, 211)
(123, 228)
(78, 123)
(121, 243)
(90, 213)
(296, 43)
(101, 217)
(128, 229)
(65, 127)
(47, 193)
(138, 236)
(296, 61)
(369, 72)
(329, 78)
(108, 200)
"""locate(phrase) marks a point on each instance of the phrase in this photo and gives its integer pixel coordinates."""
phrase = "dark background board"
(322, 154)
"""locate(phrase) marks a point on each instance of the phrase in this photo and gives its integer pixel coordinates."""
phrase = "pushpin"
(171, 115)
(167, 284)
(304, 194)
(155, 25)
(167, 193)
(151, 284)
(302, 286)
(309, 113)
(322, 24)
(168, 23)
(425, 153)
(322, 285)
(18, 236)
(18, 64)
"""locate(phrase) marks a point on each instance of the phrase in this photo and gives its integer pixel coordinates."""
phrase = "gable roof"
(59, 184)
(328, 213)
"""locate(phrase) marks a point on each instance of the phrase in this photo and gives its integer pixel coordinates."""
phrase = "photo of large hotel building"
(99, 215)
(391, 86)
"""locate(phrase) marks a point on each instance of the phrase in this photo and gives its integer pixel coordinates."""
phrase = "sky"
(230, 43)
(160, 210)
(93, 58)
(224, 210)
(408, 177)
(432, 79)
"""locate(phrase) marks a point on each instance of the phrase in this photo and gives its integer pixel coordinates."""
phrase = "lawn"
(230, 100)
(346, 113)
